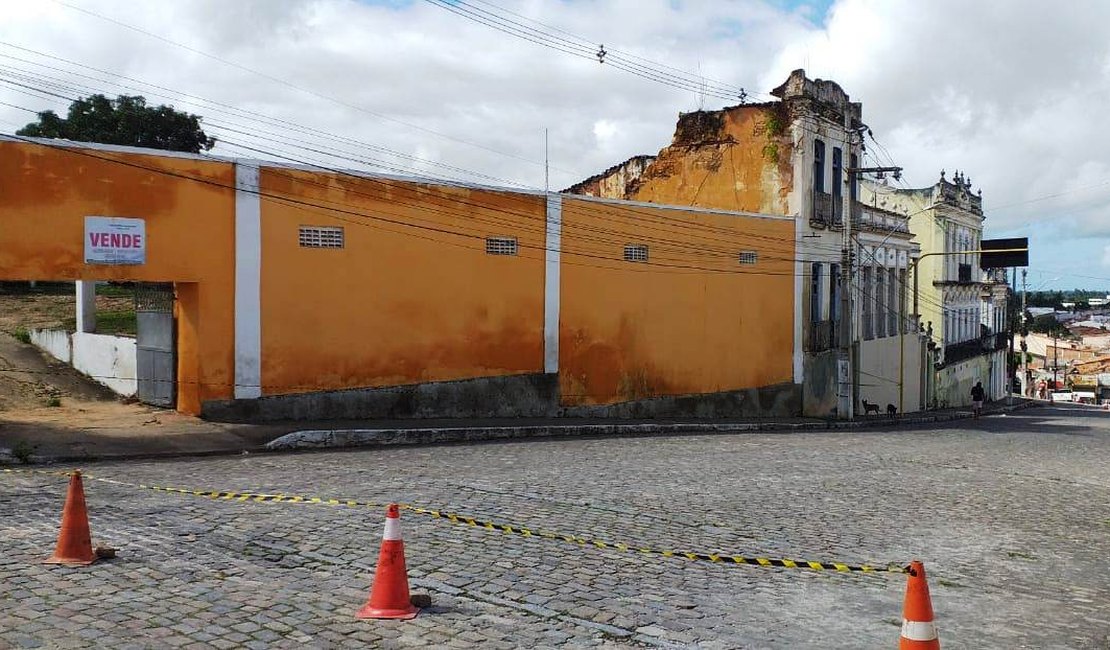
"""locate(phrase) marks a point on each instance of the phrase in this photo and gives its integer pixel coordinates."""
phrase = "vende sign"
(115, 240)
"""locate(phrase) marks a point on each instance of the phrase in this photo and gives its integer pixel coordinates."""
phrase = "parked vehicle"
(1062, 396)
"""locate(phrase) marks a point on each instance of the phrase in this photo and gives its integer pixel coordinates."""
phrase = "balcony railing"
(822, 335)
(828, 210)
(963, 350)
(866, 217)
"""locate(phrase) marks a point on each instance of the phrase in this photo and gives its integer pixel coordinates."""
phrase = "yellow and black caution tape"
(726, 558)
(507, 529)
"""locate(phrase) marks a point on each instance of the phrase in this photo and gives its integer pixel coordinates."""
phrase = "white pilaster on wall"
(86, 306)
(552, 258)
(248, 282)
(799, 352)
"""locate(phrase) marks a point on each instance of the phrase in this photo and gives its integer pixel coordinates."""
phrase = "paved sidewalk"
(169, 434)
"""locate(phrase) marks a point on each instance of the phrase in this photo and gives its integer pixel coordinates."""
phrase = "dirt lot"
(28, 380)
(39, 391)
(53, 311)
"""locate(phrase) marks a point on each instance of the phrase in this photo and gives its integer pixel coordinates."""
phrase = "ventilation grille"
(321, 237)
(636, 253)
(749, 257)
(501, 246)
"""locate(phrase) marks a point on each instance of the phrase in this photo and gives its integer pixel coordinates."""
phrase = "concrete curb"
(340, 438)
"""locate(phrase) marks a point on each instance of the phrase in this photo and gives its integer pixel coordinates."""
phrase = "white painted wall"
(879, 372)
(248, 281)
(86, 305)
(107, 360)
(551, 284)
(53, 342)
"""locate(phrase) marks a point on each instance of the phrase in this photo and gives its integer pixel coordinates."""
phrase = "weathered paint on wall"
(108, 360)
(413, 298)
(736, 159)
(615, 182)
(56, 343)
(954, 381)
(693, 320)
(398, 304)
(878, 367)
(187, 203)
(819, 385)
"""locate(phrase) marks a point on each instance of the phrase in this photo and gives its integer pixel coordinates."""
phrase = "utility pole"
(1024, 345)
(1055, 358)
(847, 405)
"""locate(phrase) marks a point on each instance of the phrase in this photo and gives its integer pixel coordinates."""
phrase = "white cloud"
(1011, 93)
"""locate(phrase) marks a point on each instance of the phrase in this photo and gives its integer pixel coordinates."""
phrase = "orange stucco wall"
(413, 296)
(742, 163)
(692, 320)
(45, 194)
(399, 304)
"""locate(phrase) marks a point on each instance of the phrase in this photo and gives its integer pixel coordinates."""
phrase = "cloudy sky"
(1012, 92)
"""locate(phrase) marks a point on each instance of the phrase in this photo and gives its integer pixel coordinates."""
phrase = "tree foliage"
(126, 120)
(1047, 324)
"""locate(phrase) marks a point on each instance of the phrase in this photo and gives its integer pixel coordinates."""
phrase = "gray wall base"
(516, 396)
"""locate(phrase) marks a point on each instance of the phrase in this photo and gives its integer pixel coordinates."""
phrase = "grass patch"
(116, 290)
(1019, 554)
(123, 323)
(949, 583)
(22, 335)
(117, 322)
(54, 402)
(22, 451)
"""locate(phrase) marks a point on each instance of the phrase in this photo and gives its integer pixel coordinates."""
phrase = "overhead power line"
(175, 95)
(302, 89)
(647, 220)
(731, 89)
(646, 215)
(408, 227)
(546, 36)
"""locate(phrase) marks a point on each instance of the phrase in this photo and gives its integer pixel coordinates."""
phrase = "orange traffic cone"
(389, 596)
(918, 630)
(74, 541)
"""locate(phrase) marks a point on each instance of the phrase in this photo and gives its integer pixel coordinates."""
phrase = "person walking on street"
(977, 399)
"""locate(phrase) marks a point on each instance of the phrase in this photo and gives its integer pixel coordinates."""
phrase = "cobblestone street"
(1010, 514)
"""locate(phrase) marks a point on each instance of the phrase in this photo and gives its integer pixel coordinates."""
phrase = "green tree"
(1047, 324)
(126, 120)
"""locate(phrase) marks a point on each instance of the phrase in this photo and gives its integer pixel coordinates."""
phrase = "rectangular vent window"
(636, 253)
(749, 257)
(501, 246)
(320, 237)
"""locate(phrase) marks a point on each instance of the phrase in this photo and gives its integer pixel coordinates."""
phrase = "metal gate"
(156, 357)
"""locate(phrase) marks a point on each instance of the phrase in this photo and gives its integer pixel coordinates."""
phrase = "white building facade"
(961, 307)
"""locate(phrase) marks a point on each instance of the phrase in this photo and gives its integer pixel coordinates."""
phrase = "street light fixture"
(902, 312)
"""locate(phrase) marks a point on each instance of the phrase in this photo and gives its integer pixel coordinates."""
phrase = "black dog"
(869, 408)
(891, 411)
